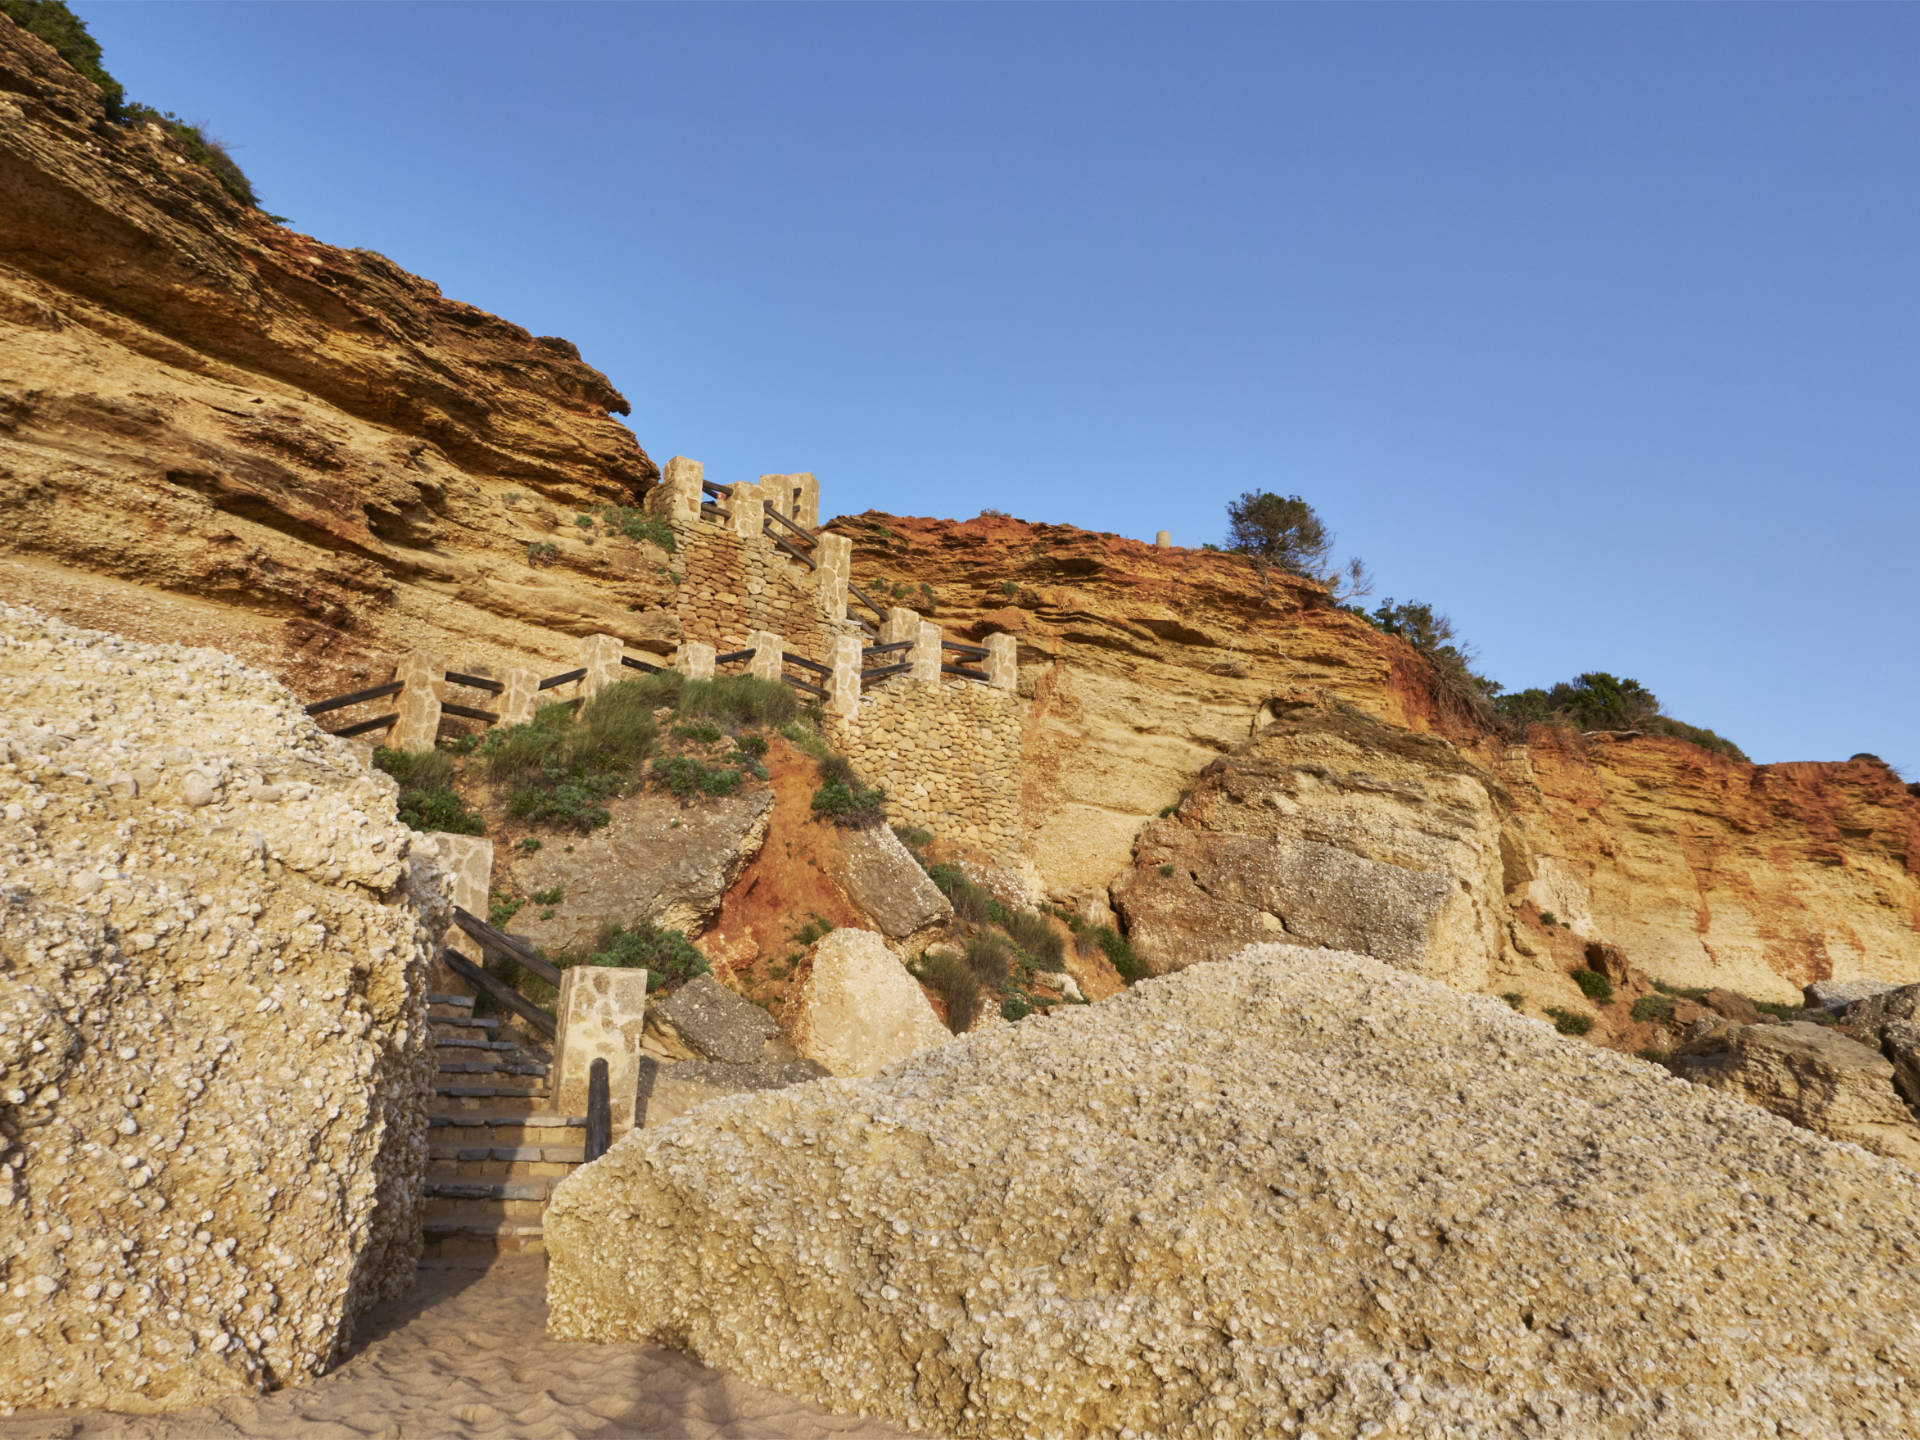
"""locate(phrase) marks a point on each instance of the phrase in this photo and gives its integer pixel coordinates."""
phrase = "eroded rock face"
(703, 1020)
(1330, 829)
(215, 429)
(859, 1010)
(668, 1091)
(214, 949)
(657, 858)
(1295, 1191)
(1812, 1076)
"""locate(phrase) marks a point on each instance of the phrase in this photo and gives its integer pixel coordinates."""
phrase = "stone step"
(491, 1092)
(450, 1240)
(536, 1121)
(493, 1066)
(460, 1187)
(465, 1022)
(459, 1002)
(475, 1128)
(473, 1042)
(508, 1154)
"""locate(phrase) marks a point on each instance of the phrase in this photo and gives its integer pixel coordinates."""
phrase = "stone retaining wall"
(948, 756)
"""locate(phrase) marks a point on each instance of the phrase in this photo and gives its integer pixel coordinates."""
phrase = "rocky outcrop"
(703, 1020)
(1328, 828)
(858, 1010)
(214, 946)
(1810, 1075)
(1292, 1192)
(1890, 1019)
(881, 877)
(1144, 666)
(657, 859)
(215, 429)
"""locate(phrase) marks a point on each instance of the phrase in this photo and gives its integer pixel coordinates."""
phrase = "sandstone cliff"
(1255, 741)
(217, 430)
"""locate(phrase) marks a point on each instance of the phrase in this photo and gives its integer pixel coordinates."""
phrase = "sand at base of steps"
(466, 1354)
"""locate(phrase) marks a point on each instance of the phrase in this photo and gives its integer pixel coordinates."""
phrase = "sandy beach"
(467, 1354)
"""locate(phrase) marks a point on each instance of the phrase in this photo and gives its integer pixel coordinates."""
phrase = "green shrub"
(667, 956)
(1594, 986)
(458, 744)
(1120, 954)
(1682, 992)
(59, 27)
(501, 908)
(1166, 871)
(1654, 1055)
(529, 843)
(542, 552)
(818, 927)
(913, 837)
(1514, 999)
(990, 959)
(573, 803)
(1033, 934)
(427, 799)
(550, 897)
(1547, 917)
(1016, 1007)
(1653, 1007)
(854, 807)
(686, 777)
(585, 522)
(736, 702)
(701, 732)
(754, 745)
(1779, 1010)
(562, 769)
(1570, 1022)
(952, 980)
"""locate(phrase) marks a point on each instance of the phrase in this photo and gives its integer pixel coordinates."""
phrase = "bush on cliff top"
(52, 22)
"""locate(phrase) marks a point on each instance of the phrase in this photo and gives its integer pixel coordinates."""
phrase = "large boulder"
(883, 879)
(1331, 829)
(671, 1090)
(703, 1020)
(656, 859)
(1295, 1192)
(858, 1010)
(1890, 1018)
(1832, 994)
(214, 946)
(1810, 1075)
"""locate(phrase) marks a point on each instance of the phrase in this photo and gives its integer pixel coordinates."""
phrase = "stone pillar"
(601, 1014)
(600, 655)
(925, 654)
(747, 505)
(1003, 673)
(834, 555)
(1164, 540)
(900, 624)
(694, 659)
(843, 688)
(806, 500)
(467, 862)
(425, 678)
(676, 499)
(767, 649)
(521, 697)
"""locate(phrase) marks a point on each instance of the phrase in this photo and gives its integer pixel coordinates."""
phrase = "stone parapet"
(600, 657)
(602, 1016)
(1001, 665)
(767, 650)
(694, 659)
(424, 676)
(676, 499)
(521, 697)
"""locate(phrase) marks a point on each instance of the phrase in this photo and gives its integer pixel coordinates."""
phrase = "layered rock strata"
(214, 946)
(213, 428)
(1295, 1192)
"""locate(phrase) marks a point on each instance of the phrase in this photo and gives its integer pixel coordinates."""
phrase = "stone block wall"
(732, 585)
(948, 756)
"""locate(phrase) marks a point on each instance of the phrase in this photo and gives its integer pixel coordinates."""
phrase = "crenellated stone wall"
(948, 756)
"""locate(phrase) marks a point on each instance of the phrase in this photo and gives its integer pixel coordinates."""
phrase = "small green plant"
(1654, 1055)
(685, 777)
(585, 522)
(550, 897)
(972, 904)
(818, 927)
(949, 977)
(458, 744)
(990, 959)
(512, 497)
(1031, 931)
(850, 804)
(1016, 1007)
(1570, 1022)
(754, 745)
(542, 552)
(1595, 986)
(667, 956)
(1120, 954)
(1166, 810)
(427, 799)
(701, 732)
(1166, 871)
(529, 843)
(1779, 1010)
(1009, 589)
(1514, 999)
(1547, 917)
(501, 908)
(1680, 992)
(1653, 1007)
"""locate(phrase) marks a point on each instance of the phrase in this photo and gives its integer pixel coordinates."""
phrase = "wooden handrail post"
(599, 1121)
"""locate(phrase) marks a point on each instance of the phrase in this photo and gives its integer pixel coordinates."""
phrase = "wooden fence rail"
(340, 702)
(565, 678)
(501, 991)
(868, 677)
(475, 682)
(964, 673)
(633, 664)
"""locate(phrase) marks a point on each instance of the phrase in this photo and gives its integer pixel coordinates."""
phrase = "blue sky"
(1597, 327)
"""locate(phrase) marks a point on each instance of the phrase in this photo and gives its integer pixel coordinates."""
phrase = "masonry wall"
(948, 756)
(730, 587)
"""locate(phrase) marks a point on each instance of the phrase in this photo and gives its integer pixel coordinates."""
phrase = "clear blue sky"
(1596, 326)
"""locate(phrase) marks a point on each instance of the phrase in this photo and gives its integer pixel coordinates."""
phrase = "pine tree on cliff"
(1284, 532)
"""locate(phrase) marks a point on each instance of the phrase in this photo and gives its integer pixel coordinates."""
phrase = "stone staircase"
(495, 1146)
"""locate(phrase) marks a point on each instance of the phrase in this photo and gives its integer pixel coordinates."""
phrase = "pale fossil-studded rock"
(1297, 1192)
(1812, 1076)
(859, 1010)
(213, 1060)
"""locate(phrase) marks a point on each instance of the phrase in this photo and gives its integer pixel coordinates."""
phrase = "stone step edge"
(509, 1154)
(515, 1228)
(464, 1002)
(490, 1092)
(465, 1022)
(451, 1187)
(536, 1121)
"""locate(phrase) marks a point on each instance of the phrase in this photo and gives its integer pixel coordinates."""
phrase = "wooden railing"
(497, 945)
